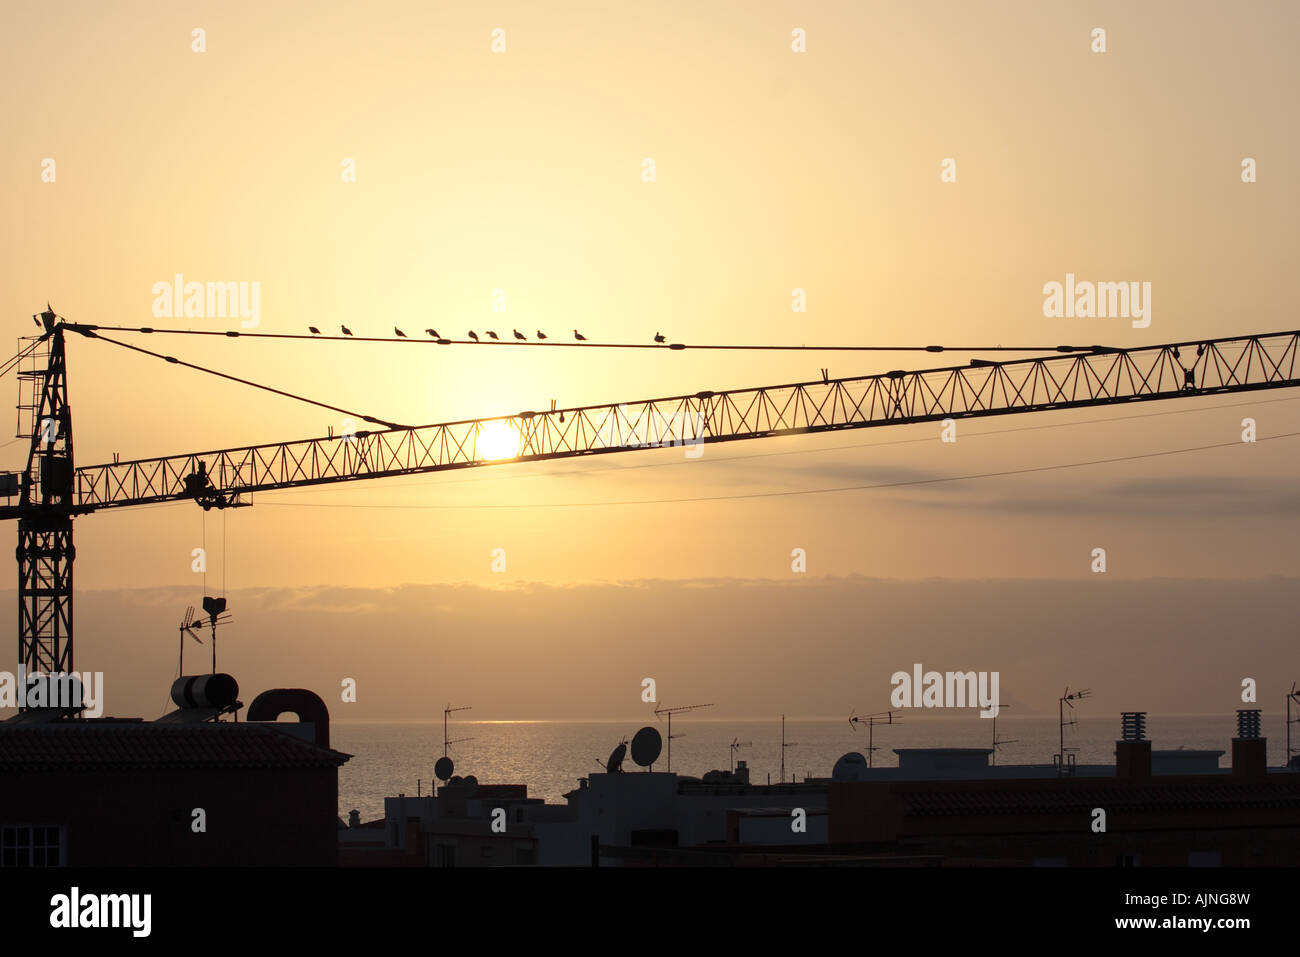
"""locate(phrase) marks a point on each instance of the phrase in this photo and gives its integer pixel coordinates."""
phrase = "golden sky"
(522, 171)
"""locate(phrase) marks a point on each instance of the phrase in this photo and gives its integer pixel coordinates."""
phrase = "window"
(446, 855)
(1127, 860)
(31, 846)
(1204, 859)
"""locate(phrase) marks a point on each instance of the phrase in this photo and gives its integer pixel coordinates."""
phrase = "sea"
(392, 758)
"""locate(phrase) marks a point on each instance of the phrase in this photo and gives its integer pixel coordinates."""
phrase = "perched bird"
(540, 334)
(579, 336)
(346, 330)
(659, 338)
(399, 332)
(493, 334)
(473, 335)
(519, 335)
(313, 330)
(434, 333)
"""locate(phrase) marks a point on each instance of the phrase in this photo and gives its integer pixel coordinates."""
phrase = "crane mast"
(45, 550)
(52, 491)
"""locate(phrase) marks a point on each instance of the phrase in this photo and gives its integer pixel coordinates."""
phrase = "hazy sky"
(522, 171)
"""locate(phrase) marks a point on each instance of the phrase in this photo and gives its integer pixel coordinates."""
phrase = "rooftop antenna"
(998, 742)
(784, 745)
(736, 745)
(1292, 698)
(670, 712)
(446, 743)
(217, 614)
(188, 627)
(1068, 756)
(871, 720)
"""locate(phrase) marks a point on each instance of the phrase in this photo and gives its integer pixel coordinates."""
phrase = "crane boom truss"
(984, 388)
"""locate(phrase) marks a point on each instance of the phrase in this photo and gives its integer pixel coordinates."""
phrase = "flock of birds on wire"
(433, 333)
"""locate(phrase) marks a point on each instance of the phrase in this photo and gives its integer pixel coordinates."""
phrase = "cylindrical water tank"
(205, 691)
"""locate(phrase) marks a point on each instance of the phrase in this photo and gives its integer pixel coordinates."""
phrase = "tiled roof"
(121, 745)
(1215, 794)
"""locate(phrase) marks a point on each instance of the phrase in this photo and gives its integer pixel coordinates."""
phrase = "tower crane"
(52, 490)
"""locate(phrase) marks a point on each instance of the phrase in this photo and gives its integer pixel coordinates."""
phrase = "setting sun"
(498, 440)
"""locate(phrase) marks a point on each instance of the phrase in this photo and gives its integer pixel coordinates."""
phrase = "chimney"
(1249, 750)
(1133, 750)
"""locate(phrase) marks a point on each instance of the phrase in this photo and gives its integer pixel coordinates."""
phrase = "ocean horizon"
(549, 755)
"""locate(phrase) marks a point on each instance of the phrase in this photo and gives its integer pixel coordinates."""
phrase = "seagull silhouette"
(493, 334)
(313, 330)
(659, 338)
(399, 332)
(434, 333)
(346, 330)
(579, 336)
(519, 335)
(473, 335)
(540, 334)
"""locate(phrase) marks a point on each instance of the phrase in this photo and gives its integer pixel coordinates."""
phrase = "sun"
(497, 440)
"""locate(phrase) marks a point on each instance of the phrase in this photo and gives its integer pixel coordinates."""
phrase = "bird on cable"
(313, 330)
(473, 335)
(493, 334)
(519, 335)
(659, 338)
(540, 334)
(434, 333)
(579, 336)
(346, 330)
(399, 332)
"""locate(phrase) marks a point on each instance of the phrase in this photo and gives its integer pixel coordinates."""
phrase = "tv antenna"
(784, 745)
(871, 720)
(1292, 698)
(670, 712)
(446, 742)
(217, 614)
(1067, 756)
(192, 628)
(736, 745)
(998, 742)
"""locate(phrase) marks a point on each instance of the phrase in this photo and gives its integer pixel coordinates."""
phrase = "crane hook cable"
(256, 385)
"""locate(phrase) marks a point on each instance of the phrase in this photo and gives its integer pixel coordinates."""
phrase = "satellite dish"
(646, 745)
(213, 606)
(443, 768)
(615, 762)
(851, 767)
(471, 783)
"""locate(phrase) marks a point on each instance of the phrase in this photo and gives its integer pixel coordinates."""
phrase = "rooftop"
(110, 745)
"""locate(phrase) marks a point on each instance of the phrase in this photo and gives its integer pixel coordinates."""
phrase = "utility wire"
(671, 346)
(791, 492)
(255, 385)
